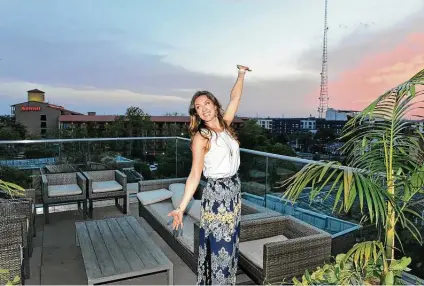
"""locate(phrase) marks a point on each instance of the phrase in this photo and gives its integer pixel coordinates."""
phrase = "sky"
(105, 55)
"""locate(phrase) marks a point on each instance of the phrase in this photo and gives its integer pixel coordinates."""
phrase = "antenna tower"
(323, 95)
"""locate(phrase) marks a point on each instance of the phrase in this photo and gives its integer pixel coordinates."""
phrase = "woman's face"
(205, 108)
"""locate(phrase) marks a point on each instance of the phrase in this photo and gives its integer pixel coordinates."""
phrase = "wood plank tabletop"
(119, 248)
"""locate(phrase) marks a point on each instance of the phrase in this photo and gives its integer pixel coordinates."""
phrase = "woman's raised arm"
(235, 95)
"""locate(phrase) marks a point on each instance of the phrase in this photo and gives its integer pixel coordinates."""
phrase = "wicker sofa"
(275, 249)
(156, 210)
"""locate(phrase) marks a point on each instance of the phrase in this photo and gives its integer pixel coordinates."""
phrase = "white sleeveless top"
(223, 158)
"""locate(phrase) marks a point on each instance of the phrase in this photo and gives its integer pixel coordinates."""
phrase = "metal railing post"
(176, 157)
(266, 180)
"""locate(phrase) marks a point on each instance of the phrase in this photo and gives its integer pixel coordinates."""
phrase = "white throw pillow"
(177, 190)
(194, 210)
(177, 187)
(151, 197)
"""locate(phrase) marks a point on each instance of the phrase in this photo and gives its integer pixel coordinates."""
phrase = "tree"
(304, 139)
(252, 136)
(325, 135)
(139, 125)
(11, 130)
(384, 172)
(139, 121)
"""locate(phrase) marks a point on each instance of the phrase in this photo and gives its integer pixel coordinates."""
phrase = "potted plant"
(385, 170)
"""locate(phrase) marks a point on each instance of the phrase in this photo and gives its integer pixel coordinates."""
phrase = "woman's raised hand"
(243, 68)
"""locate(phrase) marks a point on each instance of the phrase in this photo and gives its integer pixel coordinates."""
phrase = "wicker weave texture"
(306, 248)
(11, 259)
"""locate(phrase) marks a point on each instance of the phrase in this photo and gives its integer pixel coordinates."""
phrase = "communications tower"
(323, 95)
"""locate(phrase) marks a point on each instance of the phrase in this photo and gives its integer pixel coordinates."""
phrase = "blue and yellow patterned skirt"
(219, 232)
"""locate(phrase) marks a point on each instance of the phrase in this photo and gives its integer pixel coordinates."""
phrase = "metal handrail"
(249, 151)
(5, 142)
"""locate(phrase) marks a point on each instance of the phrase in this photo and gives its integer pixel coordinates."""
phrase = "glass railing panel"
(19, 163)
(278, 172)
(252, 173)
(139, 159)
(184, 158)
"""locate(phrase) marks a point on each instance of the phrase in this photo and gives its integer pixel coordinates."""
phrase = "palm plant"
(383, 174)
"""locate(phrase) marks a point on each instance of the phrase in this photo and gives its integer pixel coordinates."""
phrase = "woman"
(215, 151)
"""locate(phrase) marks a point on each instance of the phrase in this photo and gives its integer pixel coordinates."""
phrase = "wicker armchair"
(16, 230)
(107, 184)
(275, 249)
(63, 188)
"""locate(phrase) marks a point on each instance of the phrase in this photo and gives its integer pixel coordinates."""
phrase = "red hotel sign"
(30, 108)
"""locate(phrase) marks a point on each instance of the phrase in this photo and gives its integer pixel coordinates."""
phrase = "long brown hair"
(198, 125)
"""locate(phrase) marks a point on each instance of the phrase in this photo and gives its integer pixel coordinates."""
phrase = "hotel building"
(39, 116)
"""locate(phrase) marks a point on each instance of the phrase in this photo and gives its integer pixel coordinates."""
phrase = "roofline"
(54, 106)
(182, 118)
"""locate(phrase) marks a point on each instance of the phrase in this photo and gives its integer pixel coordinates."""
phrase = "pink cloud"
(373, 75)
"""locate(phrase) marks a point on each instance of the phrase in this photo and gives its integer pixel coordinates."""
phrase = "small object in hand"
(243, 67)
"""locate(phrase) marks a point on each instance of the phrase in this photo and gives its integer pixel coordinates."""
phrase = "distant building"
(163, 125)
(37, 115)
(311, 124)
(339, 115)
(265, 123)
(286, 125)
(308, 124)
(335, 125)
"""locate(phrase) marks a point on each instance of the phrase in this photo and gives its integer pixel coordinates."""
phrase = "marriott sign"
(30, 108)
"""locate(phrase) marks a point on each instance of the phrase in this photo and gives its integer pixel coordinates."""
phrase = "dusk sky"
(106, 55)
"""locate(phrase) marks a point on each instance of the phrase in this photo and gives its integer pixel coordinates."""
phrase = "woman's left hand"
(177, 221)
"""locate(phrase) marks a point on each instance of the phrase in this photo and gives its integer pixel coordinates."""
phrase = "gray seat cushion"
(106, 186)
(64, 190)
(161, 210)
(254, 249)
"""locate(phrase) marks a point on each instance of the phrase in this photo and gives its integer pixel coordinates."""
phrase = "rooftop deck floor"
(57, 260)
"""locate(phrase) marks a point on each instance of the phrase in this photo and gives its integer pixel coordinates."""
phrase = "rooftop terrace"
(56, 257)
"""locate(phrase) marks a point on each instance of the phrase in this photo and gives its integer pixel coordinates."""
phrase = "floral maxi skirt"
(219, 232)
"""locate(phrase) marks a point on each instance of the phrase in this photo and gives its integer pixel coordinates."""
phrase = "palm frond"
(349, 186)
(12, 189)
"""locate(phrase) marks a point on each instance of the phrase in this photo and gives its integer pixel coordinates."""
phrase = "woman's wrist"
(241, 75)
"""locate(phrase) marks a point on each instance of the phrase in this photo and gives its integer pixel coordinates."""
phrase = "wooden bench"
(119, 248)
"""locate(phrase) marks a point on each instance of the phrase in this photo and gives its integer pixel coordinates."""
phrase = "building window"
(43, 117)
(43, 131)
(43, 124)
